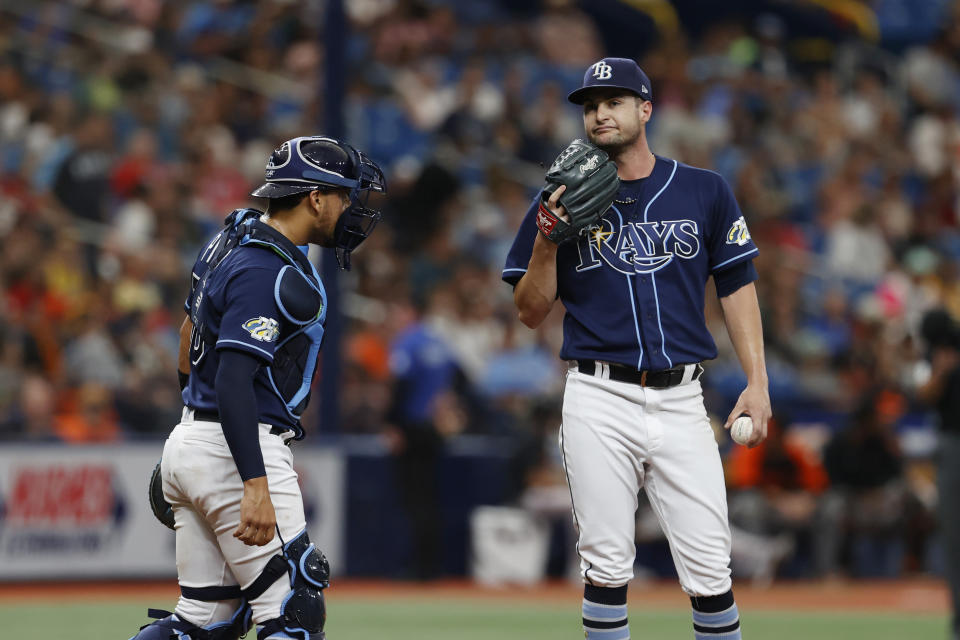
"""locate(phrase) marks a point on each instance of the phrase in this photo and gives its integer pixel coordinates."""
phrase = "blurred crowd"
(130, 128)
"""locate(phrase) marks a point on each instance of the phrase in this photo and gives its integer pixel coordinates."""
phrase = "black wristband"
(183, 378)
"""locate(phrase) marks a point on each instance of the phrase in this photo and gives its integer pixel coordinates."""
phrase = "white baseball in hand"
(742, 430)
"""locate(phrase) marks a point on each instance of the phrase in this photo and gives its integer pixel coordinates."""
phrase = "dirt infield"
(922, 595)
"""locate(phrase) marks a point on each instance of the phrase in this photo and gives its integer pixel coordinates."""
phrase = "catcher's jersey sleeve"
(251, 319)
(519, 256)
(728, 238)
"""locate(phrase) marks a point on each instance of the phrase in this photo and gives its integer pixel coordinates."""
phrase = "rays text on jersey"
(638, 247)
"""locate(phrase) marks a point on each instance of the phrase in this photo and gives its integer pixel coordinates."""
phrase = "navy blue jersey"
(633, 288)
(239, 311)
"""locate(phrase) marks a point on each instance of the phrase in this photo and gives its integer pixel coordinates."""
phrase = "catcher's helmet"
(315, 162)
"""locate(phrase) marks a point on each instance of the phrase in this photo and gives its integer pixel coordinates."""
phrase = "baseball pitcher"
(627, 240)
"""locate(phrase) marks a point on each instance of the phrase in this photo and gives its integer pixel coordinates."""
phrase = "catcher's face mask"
(359, 220)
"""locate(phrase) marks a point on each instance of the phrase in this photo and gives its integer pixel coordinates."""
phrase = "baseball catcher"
(586, 181)
(255, 320)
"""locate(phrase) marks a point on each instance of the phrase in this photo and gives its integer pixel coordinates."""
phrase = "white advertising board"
(76, 512)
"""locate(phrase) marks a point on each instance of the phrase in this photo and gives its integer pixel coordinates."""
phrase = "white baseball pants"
(619, 437)
(201, 481)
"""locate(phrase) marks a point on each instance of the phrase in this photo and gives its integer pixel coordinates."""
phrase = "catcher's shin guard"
(303, 612)
(274, 630)
(170, 626)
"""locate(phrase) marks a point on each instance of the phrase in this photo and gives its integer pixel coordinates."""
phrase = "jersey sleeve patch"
(729, 239)
(738, 233)
(262, 329)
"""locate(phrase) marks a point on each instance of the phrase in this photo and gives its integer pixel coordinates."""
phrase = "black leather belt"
(656, 379)
(214, 416)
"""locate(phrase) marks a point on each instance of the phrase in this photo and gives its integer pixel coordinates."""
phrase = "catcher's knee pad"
(170, 626)
(303, 612)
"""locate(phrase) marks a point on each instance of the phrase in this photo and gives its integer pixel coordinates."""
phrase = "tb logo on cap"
(602, 71)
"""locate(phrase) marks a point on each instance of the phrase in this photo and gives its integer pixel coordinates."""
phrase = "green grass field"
(417, 619)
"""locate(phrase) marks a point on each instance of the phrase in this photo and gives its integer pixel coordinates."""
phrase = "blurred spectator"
(92, 356)
(33, 419)
(941, 391)
(775, 490)
(81, 184)
(538, 482)
(91, 418)
(856, 248)
(522, 368)
(467, 322)
(427, 407)
(567, 36)
(869, 504)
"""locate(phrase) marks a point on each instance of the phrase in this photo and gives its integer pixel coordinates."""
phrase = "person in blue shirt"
(634, 333)
(426, 405)
(248, 353)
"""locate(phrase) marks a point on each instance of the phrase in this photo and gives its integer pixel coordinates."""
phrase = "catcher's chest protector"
(299, 295)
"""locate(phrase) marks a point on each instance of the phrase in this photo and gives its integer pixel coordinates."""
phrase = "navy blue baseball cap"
(614, 73)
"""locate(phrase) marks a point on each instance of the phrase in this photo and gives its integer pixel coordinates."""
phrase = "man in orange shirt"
(93, 418)
(775, 488)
